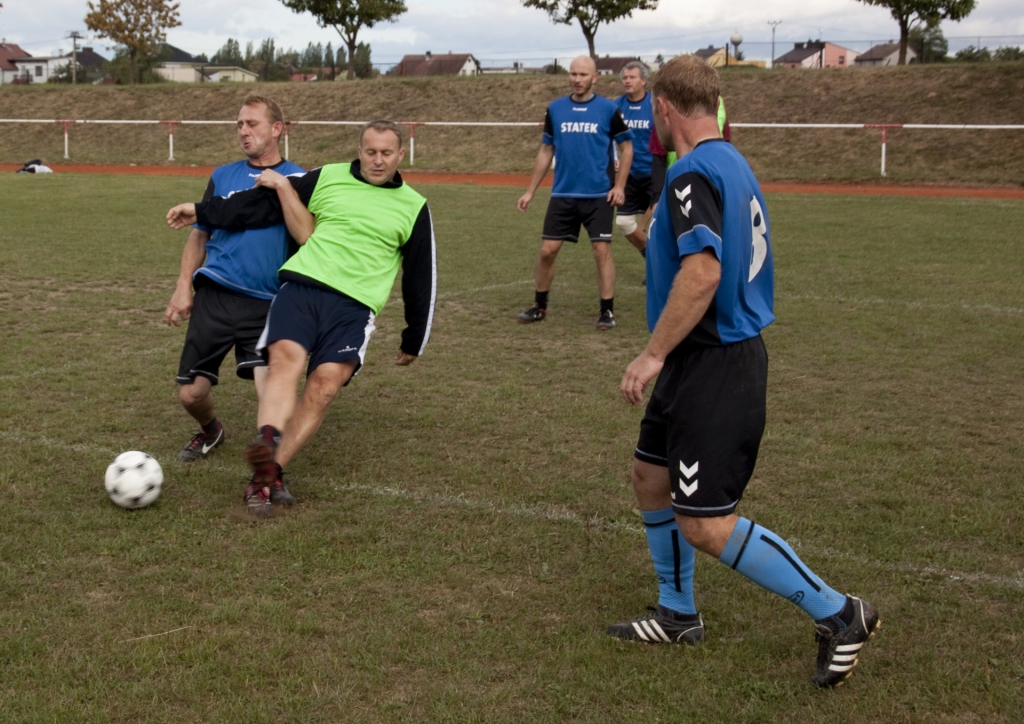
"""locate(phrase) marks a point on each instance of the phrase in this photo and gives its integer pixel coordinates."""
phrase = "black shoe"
(279, 494)
(607, 320)
(535, 313)
(201, 445)
(661, 626)
(837, 651)
(257, 499)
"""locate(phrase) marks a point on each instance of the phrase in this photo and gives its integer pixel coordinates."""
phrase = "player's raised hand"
(640, 371)
(181, 216)
(404, 360)
(524, 201)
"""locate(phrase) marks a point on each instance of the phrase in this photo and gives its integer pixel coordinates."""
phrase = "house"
(513, 69)
(612, 66)
(430, 64)
(181, 67)
(884, 54)
(721, 57)
(9, 52)
(38, 69)
(817, 54)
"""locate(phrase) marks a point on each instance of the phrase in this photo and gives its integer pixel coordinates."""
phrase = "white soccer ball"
(133, 480)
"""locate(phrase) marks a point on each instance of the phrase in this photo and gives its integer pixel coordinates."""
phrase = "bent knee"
(626, 223)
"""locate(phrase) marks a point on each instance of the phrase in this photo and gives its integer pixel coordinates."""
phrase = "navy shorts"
(638, 195)
(220, 320)
(565, 215)
(704, 423)
(331, 326)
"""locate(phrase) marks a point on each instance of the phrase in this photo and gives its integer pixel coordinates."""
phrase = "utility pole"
(774, 24)
(75, 36)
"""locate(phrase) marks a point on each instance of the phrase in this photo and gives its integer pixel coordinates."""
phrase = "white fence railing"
(884, 127)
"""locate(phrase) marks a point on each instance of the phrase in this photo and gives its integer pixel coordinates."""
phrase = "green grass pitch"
(466, 527)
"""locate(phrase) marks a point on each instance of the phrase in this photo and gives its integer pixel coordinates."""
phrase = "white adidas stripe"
(833, 667)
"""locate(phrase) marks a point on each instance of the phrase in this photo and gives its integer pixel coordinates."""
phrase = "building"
(817, 54)
(721, 57)
(9, 52)
(612, 66)
(884, 54)
(181, 67)
(430, 64)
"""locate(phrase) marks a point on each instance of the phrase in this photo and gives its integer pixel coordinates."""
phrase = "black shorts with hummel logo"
(704, 422)
(566, 214)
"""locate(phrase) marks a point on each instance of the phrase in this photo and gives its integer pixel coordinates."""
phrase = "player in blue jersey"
(709, 295)
(228, 279)
(635, 106)
(579, 130)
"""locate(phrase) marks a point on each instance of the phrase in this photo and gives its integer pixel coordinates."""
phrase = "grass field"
(466, 528)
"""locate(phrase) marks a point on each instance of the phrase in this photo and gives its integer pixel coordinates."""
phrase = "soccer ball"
(133, 480)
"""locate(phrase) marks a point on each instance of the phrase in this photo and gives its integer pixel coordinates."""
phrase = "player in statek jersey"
(579, 130)
(635, 106)
(710, 289)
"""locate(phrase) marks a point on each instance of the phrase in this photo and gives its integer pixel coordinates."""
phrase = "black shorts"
(566, 214)
(704, 423)
(659, 167)
(638, 195)
(221, 319)
(331, 326)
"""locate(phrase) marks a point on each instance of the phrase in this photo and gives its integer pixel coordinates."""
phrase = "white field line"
(959, 306)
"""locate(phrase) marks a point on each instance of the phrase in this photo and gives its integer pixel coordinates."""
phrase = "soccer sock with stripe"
(673, 560)
(768, 561)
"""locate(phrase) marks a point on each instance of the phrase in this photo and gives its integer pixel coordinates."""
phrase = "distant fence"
(412, 125)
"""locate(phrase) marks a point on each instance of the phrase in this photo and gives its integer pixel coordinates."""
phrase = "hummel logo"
(688, 472)
(348, 349)
(684, 203)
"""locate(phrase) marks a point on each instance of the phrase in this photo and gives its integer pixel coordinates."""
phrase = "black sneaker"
(257, 499)
(535, 313)
(661, 626)
(837, 651)
(607, 320)
(279, 494)
(201, 445)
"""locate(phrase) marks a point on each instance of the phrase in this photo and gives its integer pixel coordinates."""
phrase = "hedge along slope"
(985, 94)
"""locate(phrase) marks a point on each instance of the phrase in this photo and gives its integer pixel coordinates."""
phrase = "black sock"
(608, 305)
(211, 427)
(541, 298)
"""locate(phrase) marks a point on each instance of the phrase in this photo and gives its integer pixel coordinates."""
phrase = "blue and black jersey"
(639, 116)
(712, 201)
(582, 134)
(245, 261)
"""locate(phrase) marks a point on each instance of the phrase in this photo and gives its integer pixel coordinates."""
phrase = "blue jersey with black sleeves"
(712, 201)
(245, 261)
(582, 133)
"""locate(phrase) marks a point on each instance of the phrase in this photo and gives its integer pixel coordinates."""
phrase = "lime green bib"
(360, 230)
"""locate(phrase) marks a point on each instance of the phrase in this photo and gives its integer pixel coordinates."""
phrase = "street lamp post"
(774, 24)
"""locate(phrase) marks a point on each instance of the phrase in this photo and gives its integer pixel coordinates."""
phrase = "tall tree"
(138, 25)
(908, 13)
(590, 14)
(348, 17)
(929, 43)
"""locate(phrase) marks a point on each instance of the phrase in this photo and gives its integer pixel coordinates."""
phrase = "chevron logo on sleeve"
(688, 473)
(685, 204)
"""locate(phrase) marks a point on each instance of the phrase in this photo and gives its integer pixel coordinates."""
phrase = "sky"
(498, 32)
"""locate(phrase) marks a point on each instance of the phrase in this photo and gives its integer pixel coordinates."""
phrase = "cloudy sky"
(500, 31)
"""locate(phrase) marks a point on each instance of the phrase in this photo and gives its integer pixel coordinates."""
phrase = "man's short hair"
(689, 84)
(274, 112)
(635, 65)
(380, 126)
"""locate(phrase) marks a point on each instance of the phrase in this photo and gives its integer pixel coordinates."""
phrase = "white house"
(180, 67)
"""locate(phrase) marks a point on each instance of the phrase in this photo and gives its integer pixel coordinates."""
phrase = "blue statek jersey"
(712, 201)
(245, 261)
(582, 134)
(639, 116)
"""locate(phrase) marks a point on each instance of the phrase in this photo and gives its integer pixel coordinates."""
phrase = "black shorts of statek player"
(704, 423)
(566, 214)
(221, 319)
(659, 167)
(330, 326)
(638, 195)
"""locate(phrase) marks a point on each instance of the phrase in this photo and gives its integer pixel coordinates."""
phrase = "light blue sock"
(673, 560)
(768, 561)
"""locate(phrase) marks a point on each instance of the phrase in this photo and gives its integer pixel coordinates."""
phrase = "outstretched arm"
(300, 222)
(192, 256)
(419, 287)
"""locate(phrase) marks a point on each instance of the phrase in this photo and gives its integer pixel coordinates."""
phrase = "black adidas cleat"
(535, 313)
(606, 321)
(257, 499)
(661, 626)
(201, 445)
(837, 651)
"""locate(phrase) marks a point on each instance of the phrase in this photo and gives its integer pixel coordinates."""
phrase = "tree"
(590, 14)
(970, 54)
(138, 25)
(928, 42)
(229, 54)
(908, 13)
(348, 17)
(362, 64)
(329, 61)
(1010, 53)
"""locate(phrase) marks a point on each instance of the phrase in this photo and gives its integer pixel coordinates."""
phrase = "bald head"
(582, 76)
